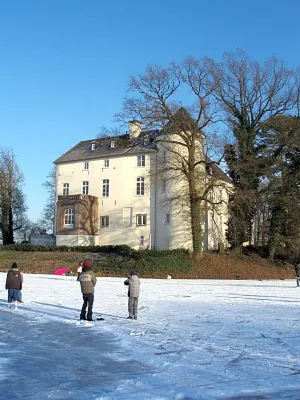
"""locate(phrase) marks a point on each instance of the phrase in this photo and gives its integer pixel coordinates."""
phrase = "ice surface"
(193, 339)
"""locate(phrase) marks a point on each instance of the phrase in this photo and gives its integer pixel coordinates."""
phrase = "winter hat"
(14, 266)
(87, 263)
(133, 273)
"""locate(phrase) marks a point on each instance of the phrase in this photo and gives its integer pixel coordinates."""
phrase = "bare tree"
(155, 102)
(48, 214)
(12, 201)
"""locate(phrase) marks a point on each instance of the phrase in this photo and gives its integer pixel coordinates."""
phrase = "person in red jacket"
(13, 285)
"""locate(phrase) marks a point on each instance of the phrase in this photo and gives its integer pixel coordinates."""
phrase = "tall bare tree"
(12, 200)
(249, 93)
(155, 101)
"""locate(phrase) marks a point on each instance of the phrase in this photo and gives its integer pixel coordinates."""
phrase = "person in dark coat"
(88, 281)
(297, 270)
(13, 285)
(133, 294)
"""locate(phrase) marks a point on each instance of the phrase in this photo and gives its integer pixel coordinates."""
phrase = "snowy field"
(194, 339)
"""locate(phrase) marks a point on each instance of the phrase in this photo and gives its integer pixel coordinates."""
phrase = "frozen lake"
(194, 339)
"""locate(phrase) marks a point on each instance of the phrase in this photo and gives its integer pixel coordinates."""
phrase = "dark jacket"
(134, 285)
(87, 280)
(13, 279)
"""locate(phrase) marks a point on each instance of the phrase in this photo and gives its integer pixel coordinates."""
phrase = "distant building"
(109, 192)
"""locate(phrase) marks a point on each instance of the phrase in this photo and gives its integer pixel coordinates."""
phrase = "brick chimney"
(135, 128)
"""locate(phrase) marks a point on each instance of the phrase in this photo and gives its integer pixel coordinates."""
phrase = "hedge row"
(149, 263)
(124, 259)
(121, 249)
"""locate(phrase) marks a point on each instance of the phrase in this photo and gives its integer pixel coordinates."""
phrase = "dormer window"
(113, 144)
(146, 140)
(94, 146)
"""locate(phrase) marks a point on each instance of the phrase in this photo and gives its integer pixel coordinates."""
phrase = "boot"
(16, 304)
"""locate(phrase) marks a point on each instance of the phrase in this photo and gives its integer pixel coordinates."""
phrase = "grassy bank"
(178, 264)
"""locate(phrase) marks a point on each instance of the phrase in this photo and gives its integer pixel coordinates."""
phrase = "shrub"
(150, 263)
(119, 249)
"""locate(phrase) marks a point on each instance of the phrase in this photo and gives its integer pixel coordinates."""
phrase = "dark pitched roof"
(217, 172)
(82, 151)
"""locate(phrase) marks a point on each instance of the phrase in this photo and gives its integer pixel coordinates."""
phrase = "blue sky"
(64, 64)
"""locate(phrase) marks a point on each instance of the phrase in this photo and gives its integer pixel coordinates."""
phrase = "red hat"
(87, 264)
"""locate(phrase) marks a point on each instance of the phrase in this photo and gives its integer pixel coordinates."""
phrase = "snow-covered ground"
(194, 339)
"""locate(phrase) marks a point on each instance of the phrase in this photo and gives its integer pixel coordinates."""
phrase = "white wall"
(122, 173)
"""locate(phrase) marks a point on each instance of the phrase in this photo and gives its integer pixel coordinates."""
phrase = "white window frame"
(86, 165)
(105, 188)
(106, 163)
(69, 217)
(85, 187)
(113, 144)
(141, 219)
(104, 221)
(140, 186)
(141, 160)
(66, 189)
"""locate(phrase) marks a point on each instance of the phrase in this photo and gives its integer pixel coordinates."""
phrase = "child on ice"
(133, 294)
(13, 285)
(88, 282)
(22, 280)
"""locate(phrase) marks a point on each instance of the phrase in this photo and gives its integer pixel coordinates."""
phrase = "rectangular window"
(141, 219)
(106, 163)
(113, 144)
(66, 189)
(168, 219)
(69, 217)
(86, 165)
(85, 187)
(140, 186)
(141, 160)
(164, 185)
(104, 221)
(220, 195)
(105, 188)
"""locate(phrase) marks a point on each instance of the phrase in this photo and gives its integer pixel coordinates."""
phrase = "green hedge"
(124, 259)
(152, 263)
(121, 249)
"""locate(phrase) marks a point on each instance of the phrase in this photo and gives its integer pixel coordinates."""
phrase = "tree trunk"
(7, 227)
(10, 227)
(197, 234)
